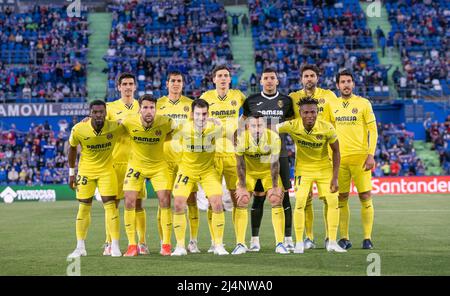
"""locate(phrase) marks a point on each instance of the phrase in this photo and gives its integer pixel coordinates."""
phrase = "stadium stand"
(419, 31)
(34, 157)
(42, 54)
(287, 34)
(150, 38)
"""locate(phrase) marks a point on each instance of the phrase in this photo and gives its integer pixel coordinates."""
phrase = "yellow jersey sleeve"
(73, 139)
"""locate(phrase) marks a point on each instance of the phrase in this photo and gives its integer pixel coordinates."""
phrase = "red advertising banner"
(404, 185)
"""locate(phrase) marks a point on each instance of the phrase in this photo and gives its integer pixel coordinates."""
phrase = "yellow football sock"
(344, 218)
(194, 221)
(325, 216)
(108, 236)
(367, 214)
(309, 219)
(299, 221)
(278, 222)
(209, 212)
(83, 220)
(158, 222)
(240, 224)
(179, 227)
(331, 216)
(166, 224)
(130, 225)
(141, 225)
(218, 225)
(113, 219)
(233, 217)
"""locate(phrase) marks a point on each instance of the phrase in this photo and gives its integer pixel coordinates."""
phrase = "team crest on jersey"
(233, 103)
(355, 110)
(158, 133)
(109, 136)
(319, 137)
(280, 103)
(322, 101)
(186, 109)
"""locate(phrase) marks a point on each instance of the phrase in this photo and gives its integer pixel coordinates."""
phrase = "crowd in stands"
(43, 54)
(395, 154)
(439, 135)
(288, 34)
(153, 37)
(39, 156)
(35, 157)
(420, 32)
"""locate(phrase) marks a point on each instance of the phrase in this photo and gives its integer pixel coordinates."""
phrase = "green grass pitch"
(411, 236)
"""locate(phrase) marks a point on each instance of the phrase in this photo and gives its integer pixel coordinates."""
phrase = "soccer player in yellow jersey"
(118, 111)
(312, 137)
(356, 127)
(309, 79)
(224, 104)
(97, 138)
(147, 132)
(178, 107)
(198, 138)
(257, 152)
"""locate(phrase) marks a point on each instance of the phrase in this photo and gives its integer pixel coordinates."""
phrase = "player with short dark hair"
(276, 108)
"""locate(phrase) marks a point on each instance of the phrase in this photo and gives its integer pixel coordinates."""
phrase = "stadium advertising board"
(404, 185)
(44, 109)
(13, 193)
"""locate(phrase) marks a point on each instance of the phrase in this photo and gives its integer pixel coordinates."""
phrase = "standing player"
(147, 133)
(178, 107)
(224, 104)
(276, 108)
(257, 153)
(312, 164)
(356, 127)
(309, 80)
(118, 111)
(97, 138)
(198, 138)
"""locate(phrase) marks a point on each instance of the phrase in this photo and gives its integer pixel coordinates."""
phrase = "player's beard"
(98, 123)
(310, 86)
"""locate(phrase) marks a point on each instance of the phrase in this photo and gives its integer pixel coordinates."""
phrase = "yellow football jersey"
(198, 146)
(118, 111)
(96, 148)
(312, 146)
(257, 155)
(324, 96)
(227, 110)
(179, 111)
(354, 120)
(147, 144)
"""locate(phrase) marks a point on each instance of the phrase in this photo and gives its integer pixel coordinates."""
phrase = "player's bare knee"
(139, 204)
(86, 201)
(216, 203)
(179, 204)
(365, 195)
(106, 199)
(343, 196)
(192, 199)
